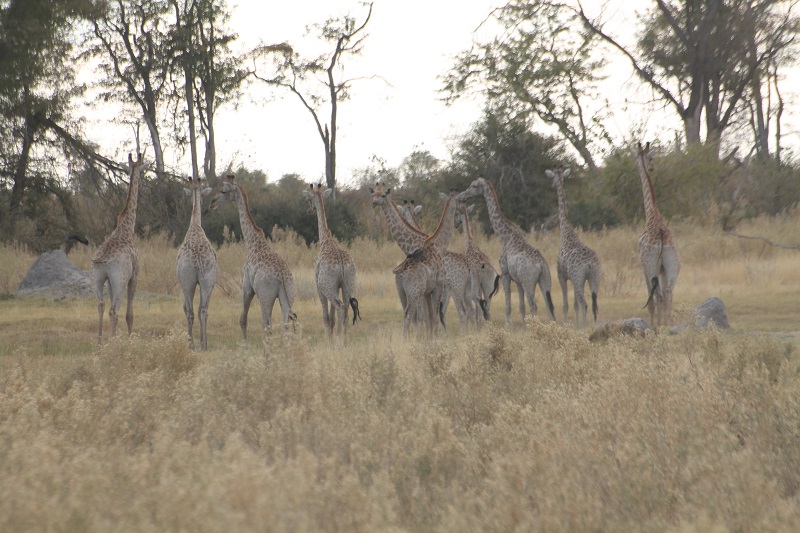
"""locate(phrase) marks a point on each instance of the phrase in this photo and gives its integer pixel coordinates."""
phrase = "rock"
(628, 326)
(52, 274)
(710, 310)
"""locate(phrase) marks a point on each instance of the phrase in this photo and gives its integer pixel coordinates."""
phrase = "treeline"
(689, 184)
(168, 66)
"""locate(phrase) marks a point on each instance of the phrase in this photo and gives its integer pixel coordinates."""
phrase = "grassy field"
(507, 429)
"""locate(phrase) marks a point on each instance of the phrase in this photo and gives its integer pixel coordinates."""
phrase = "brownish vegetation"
(524, 428)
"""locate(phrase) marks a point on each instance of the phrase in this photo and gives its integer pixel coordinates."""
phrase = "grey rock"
(710, 310)
(52, 274)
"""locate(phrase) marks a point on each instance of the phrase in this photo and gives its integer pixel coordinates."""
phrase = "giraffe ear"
(187, 191)
(308, 194)
(327, 192)
(549, 173)
(388, 190)
(206, 191)
(471, 209)
(371, 190)
(417, 209)
(443, 196)
(566, 173)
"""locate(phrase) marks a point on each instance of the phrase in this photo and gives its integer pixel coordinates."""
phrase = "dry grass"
(509, 429)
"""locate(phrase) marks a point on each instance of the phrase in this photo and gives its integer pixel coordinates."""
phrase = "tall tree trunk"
(21, 168)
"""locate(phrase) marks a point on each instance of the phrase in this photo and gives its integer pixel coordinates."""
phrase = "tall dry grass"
(527, 428)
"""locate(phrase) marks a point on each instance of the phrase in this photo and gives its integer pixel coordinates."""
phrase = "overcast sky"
(411, 43)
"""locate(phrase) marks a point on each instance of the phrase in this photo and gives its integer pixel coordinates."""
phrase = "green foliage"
(505, 151)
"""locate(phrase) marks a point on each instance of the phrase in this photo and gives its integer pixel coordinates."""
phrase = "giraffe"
(407, 237)
(117, 259)
(456, 269)
(419, 275)
(519, 261)
(334, 269)
(196, 264)
(264, 274)
(576, 261)
(658, 250)
(484, 279)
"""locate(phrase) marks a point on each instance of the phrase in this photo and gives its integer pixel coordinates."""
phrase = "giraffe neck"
(126, 222)
(500, 224)
(252, 234)
(648, 191)
(444, 231)
(563, 218)
(467, 229)
(197, 207)
(408, 238)
(322, 224)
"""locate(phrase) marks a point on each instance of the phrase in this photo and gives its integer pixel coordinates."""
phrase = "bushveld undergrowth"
(526, 428)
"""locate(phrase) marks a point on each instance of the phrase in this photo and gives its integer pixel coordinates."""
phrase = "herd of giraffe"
(426, 279)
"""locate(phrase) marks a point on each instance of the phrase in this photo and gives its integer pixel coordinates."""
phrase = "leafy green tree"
(505, 151)
(37, 86)
(538, 66)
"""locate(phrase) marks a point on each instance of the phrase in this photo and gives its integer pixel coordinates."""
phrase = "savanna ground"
(507, 429)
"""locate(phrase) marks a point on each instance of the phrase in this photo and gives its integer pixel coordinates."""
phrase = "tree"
(685, 53)
(37, 84)
(206, 74)
(538, 66)
(295, 72)
(505, 151)
(129, 38)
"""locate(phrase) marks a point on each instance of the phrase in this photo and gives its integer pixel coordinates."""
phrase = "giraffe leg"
(247, 298)
(205, 299)
(115, 297)
(129, 309)
(505, 278)
(345, 312)
(530, 293)
(521, 291)
(562, 280)
(267, 300)
(100, 281)
(188, 309)
(326, 319)
(580, 302)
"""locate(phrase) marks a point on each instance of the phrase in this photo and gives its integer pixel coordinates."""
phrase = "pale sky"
(411, 43)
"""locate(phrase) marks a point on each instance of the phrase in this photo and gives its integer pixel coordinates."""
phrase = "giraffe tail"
(441, 315)
(356, 312)
(653, 290)
(594, 305)
(550, 307)
(496, 286)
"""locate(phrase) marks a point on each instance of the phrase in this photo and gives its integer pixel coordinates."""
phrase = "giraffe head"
(230, 192)
(462, 212)
(644, 156)
(557, 175)
(315, 192)
(379, 194)
(476, 188)
(196, 185)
